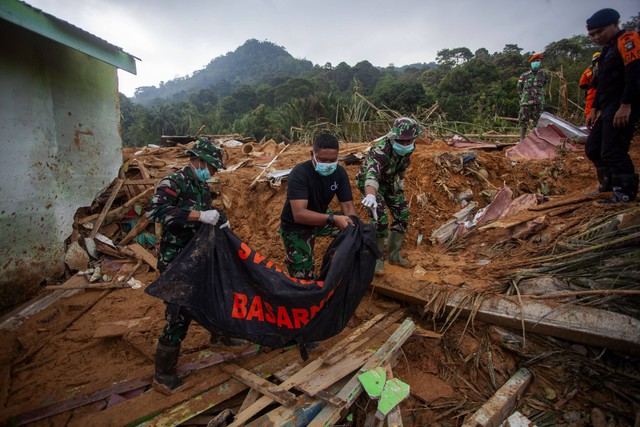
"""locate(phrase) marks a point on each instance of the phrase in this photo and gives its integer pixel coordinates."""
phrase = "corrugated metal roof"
(40, 22)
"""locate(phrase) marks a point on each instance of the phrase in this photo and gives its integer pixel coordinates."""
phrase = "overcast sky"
(174, 38)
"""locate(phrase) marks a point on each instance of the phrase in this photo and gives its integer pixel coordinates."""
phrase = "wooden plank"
(329, 415)
(304, 373)
(328, 375)
(148, 181)
(213, 396)
(119, 211)
(123, 387)
(137, 229)
(120, 327)
(301, 414)
(265, 387)
(518, 420)
(501, 404)
(394, 417)
(251, 397)
(144, 254)
(15, 318)
(114, 192)
(585, 325)
(306, 408)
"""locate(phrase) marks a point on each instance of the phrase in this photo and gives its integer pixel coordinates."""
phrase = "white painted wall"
(60, 145)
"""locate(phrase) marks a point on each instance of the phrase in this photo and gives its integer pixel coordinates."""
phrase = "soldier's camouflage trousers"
(178, 321)
(298, 247)
(529, 112)
(398, 207)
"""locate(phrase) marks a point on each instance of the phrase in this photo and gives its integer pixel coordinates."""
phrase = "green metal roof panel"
(32, 19)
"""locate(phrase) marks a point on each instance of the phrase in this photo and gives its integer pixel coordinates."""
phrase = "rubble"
(82, 354)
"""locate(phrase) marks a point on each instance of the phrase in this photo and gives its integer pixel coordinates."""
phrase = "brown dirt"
(52, 356)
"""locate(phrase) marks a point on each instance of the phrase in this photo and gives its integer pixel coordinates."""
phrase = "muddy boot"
(165, 379)
(523, 133)
(625, 188)
(380, 261)
(217, 340)
(604, 179)
(395, 244)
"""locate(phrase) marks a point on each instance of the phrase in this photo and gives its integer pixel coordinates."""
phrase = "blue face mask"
(403, 149)
(202, 174)
(325, 169)
(535, 65)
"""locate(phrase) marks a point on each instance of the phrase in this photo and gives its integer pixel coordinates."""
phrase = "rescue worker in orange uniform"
(588, 83)
(615, 111)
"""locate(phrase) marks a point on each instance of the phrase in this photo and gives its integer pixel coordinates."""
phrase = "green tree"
(367, 75)
(163, 119)
(342, 76)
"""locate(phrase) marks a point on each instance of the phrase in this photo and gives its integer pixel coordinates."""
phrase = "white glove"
(209, 217)
(370, 202)
(401, 184)
(226, 224)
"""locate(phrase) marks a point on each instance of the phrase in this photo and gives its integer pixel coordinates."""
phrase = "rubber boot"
(395, 244)
(380, 261)
(166, 380)
(523, 133)
(625, 187)
(604, 180)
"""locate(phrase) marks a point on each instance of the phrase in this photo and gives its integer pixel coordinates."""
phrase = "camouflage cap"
(404, 128)
(208, 152)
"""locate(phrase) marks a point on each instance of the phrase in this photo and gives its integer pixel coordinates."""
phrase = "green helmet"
(404, 128)
(208, 152)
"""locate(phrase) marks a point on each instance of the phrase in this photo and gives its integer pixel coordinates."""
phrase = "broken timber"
(329, 414)
(499, 407)
(585, 325)
(303, 374)
(214, 396)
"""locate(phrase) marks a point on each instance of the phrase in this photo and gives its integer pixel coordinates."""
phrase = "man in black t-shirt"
(311, 187)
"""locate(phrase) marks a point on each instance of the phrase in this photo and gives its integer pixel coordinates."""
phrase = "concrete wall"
(60, 145)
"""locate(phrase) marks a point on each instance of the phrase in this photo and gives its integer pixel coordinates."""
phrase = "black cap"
(602, 18)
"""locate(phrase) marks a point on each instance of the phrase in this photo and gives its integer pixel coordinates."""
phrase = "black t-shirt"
(304, 183)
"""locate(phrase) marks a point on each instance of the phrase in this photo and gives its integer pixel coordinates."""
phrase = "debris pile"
(524, 298)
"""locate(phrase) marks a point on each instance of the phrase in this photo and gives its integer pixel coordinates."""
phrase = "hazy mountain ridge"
(251, 62)
(254, 61)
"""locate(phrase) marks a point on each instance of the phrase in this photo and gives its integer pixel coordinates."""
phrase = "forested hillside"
(260, 90)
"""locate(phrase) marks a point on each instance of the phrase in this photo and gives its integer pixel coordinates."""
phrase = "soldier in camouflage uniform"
(182, 202)
(311, 186)
(531, 85)
(381, 181)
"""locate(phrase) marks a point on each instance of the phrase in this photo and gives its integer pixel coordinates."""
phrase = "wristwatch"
(330, 220)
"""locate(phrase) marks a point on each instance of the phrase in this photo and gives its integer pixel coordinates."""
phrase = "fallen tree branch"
(581, 293)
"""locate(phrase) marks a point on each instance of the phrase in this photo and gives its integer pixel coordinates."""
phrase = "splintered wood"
(315, 393)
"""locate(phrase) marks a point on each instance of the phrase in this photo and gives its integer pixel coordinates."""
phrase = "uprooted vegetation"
(563, 250)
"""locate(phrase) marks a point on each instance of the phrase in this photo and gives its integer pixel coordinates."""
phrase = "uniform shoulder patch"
(629, 46)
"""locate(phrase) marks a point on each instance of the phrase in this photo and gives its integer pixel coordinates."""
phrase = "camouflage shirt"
(531, 87)
(176, 195)
(382, 166)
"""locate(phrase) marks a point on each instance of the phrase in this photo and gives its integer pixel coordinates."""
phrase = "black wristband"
(330, 220)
